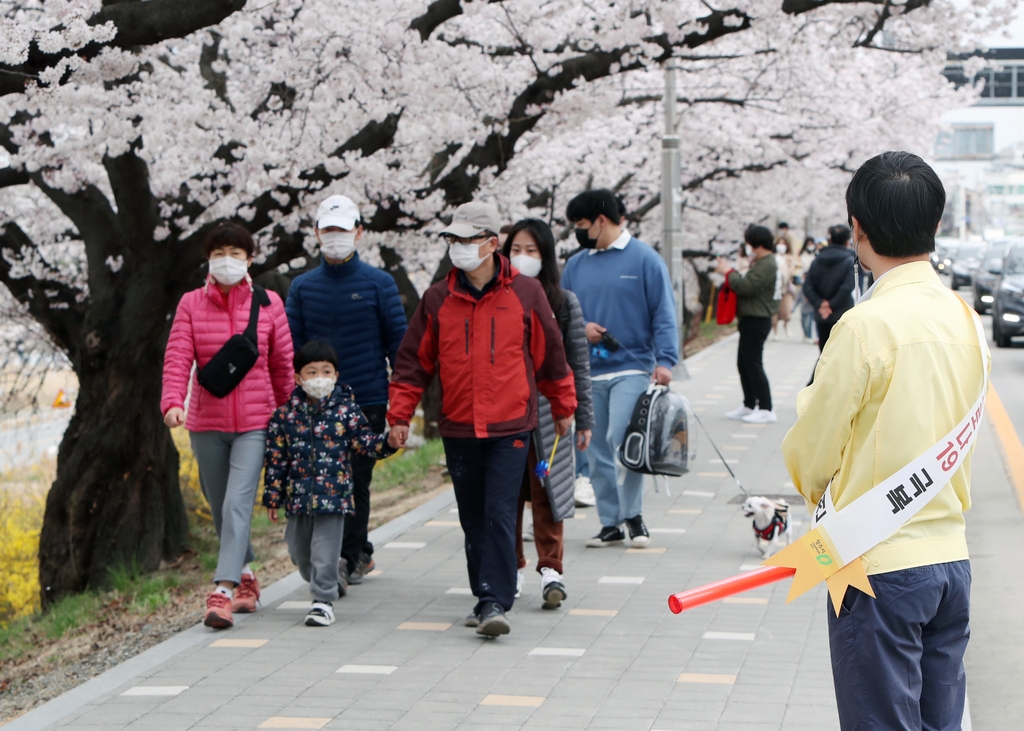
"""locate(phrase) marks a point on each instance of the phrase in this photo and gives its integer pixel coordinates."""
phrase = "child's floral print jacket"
(309, 453)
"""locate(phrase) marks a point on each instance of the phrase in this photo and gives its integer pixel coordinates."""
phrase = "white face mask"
(527, 265)
(337, 245)
(748, 250)
(466, 256)
(320, 387)
(780, 249)
(228, 270)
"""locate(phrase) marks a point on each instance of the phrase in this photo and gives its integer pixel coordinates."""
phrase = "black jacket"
(831, 278)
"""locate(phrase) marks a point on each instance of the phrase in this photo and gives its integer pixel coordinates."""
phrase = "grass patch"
(407, 468)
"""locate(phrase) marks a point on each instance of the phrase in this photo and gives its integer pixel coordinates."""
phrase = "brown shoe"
(246, 595)
(218, 611)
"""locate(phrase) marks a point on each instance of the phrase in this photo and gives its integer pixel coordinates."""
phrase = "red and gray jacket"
(492, 356)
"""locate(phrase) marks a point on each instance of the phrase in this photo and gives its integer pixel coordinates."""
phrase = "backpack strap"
(259, 298)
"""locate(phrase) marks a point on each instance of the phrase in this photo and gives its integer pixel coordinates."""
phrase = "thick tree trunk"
(116, 500)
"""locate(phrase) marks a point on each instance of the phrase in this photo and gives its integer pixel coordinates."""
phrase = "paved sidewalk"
(613, 657)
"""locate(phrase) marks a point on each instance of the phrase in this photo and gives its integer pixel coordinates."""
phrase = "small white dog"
(771, 523)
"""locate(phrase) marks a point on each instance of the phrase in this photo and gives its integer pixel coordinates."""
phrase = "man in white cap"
(355, 308)
(491, 336)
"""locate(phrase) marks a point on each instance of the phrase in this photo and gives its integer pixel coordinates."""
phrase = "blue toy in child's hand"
(543, 468)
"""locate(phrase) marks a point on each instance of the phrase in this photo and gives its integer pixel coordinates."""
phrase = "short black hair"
(227, 233)
(593, 203)
(759, 237)
(315, 351)
(839, 235)
(783, 224)
(898, 200)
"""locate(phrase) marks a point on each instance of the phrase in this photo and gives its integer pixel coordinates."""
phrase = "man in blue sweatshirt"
(356, 309)
(624, 289)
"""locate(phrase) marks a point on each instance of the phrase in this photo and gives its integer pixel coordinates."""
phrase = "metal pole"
(671, 200)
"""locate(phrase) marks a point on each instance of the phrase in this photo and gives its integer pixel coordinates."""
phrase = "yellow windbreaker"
(898, 372)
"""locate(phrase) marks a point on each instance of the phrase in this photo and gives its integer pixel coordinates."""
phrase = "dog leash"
(719, 452)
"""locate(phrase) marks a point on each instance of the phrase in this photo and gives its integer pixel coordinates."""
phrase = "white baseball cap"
(337, 211)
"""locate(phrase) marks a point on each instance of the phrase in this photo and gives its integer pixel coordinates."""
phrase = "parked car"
(1008, 308)
(945, 252)
(964, 263)
(984, 280)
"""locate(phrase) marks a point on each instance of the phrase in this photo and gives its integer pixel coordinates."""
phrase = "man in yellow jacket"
(900, 370)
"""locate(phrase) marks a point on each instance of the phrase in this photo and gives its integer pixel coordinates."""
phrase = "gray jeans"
(229, 472)
(314, 544)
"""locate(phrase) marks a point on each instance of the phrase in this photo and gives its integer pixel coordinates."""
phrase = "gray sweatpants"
(229, 472)
(314, 544)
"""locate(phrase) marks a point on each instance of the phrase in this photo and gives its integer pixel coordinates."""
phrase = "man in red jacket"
(492, 338)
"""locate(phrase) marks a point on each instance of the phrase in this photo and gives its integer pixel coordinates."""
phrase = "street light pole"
(671, 200)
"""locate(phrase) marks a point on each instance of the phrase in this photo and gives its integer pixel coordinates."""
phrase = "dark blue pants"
(898, 659)
(487, 475)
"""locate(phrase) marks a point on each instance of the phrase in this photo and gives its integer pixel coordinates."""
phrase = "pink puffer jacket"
(205, 319)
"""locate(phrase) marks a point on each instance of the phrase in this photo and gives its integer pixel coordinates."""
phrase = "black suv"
(983, 281)
(1008, 309)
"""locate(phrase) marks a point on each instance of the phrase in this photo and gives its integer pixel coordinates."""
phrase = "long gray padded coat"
(559, 483)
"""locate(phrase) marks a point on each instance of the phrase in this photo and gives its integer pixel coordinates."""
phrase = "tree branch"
(12, 176)
(438, 13)
(60, 315)
(138, 24)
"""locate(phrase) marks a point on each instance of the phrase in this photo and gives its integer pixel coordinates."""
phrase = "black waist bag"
(657, 440)
(237, 356)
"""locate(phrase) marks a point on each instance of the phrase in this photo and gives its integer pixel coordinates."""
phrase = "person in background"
(898, 373)
(787, 264)
(356, 309)
(229, 434)
(530, 247)
(625, 292)
(807, 256)
(829, 283)
(491, 337)
(758, 293)
(788, 237)
(311, 442)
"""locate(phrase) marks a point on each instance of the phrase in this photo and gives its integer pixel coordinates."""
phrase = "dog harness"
(776, 527)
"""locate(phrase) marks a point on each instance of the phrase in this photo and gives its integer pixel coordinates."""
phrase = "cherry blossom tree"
(130, 127)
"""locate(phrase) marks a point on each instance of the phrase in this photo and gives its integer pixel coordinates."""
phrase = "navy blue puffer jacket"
(355, 308)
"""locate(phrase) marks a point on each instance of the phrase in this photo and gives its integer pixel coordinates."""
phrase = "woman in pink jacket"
(228, 434)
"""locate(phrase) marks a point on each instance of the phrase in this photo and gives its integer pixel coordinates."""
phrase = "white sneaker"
(760, 416)
(740, 413)
(528, 526)
(520, 580)
(583, 492)
(321, 614)
(551, 588)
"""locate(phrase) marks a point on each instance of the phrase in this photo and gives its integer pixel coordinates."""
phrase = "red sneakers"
(218, 611)
(246, 595)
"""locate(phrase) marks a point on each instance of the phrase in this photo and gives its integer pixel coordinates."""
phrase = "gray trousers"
(229, 472)
(314, 544)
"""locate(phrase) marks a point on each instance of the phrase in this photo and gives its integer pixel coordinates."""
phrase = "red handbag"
(727, 299)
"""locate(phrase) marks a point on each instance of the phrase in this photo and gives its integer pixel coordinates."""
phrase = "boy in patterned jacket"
(310, 444)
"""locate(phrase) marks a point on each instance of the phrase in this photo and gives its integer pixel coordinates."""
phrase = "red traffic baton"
(728, 587)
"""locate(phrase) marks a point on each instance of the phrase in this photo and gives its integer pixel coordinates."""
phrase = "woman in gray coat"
(531, 248)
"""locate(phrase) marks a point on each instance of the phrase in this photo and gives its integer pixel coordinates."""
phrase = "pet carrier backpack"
(659, 440)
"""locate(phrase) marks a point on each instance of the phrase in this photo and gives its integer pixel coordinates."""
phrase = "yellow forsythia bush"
(188, 474)
(20, 521)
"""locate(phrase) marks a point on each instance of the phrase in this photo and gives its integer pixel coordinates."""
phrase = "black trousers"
(824, 327)
(754, 331)
(487, 475)
(357, 524)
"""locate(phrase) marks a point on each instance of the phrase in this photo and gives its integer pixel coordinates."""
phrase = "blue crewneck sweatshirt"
(628, 292)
